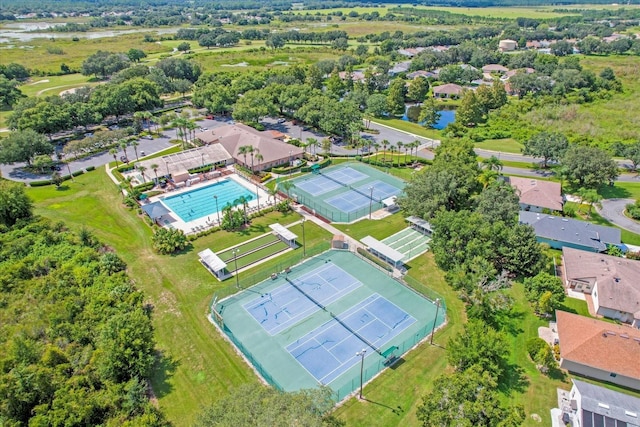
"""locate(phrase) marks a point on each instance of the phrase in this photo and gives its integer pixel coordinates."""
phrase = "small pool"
(200, 202)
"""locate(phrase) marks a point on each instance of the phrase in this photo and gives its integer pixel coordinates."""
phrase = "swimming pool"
(200, 202)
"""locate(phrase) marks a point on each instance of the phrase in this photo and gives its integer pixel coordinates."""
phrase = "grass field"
(603, 119)
(491, 12)
(409, 127)
(54, 85)
(74, 52)
(506, 145)
(197, 364)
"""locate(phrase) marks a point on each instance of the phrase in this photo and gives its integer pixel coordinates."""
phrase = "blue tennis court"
(349, 201)
(284, 306)
(381, 190)
(317, 185)
(329, 350)
(346, 175)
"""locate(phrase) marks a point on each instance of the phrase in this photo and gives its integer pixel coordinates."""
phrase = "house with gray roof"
(560, 232)
(590, 405)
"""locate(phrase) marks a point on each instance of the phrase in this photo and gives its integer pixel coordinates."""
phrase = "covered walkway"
(383, 251)
(285, 234)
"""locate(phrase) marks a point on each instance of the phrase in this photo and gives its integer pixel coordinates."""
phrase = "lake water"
(446, 117)
(27, 31)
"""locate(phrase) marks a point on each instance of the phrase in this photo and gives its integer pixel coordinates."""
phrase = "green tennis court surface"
(303, 327)
(346, 192)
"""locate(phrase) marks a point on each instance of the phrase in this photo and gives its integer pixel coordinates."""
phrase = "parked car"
(282, 120)
(210, 116)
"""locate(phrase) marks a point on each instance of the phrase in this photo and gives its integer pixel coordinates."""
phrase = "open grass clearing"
(53, 85)
(606, 120)
(412, 128)
(377, 228)
(505, 145)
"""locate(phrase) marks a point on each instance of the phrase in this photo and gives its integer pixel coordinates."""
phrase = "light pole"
(257, 196)
(304, 241)
(217, 210)
(235, 260)
(370, 201)
(361, 354)
(433, 330)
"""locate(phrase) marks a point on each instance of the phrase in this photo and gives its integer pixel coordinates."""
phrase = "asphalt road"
(613, 210)
(15, 171)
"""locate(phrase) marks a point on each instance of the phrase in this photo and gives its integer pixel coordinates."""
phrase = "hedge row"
(287, 170)
(46, 182)
(144, 187)
(201, 169)
(322, 164)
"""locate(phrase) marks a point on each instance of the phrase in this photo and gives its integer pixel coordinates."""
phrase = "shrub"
(266, 177)
(168, 241)
(40, 183)
(144, 187)
(634, 210)
(534, 345)
(633, 255)
(90, 168)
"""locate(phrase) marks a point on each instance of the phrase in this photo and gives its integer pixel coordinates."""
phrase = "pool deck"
(172, 220)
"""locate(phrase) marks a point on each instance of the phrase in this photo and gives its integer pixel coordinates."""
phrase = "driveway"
(613, 210)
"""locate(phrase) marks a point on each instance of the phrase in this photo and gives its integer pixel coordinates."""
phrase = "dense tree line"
(77, 342)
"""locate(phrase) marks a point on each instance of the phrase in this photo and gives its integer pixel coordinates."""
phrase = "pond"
(446, 117)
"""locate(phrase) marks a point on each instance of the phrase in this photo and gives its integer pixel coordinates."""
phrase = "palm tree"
(326, 146)
(155, 167)
(313, 143)
(259, 157)
(374, 150)
(114, 153)
(123, 145)
(147, 116)
(487, 177)
(492, 163)
(244, 150)
(254, 152)
(400, 145)
(393, 149)
(135, 144)
(384, 144)
(142, 169)
(273, 192)
(286, 186)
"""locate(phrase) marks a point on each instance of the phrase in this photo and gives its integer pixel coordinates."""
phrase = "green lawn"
(377, 228)
(53, 85)
(412, 128)
(506, 145)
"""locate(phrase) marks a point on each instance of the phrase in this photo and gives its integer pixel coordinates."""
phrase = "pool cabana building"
(214, 264)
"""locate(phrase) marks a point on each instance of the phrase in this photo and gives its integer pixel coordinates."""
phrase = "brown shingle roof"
(534, 192)
(449, 89)
(601, 345)
(232, 137)
(618, 278)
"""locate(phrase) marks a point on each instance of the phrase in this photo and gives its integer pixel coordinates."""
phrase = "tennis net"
(333, 179)
(322, 307)
(368, 196)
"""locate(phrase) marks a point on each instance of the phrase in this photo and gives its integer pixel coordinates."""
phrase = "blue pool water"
(200, 202)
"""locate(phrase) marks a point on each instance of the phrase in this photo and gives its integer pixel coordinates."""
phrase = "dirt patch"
(39, 81)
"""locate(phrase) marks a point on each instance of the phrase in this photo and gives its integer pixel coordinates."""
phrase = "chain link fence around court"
(319, 205)
(370, 371)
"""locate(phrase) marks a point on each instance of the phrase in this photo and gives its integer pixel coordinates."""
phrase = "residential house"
(536, 195)
(274, 152)
(612, 282)
(560, 232)
(420, 73)
(494, 68)
(400, 67)
(449, 90)
(507, 45)
(410, 52)
(600, 350)
(356, 75)
(590, 405)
